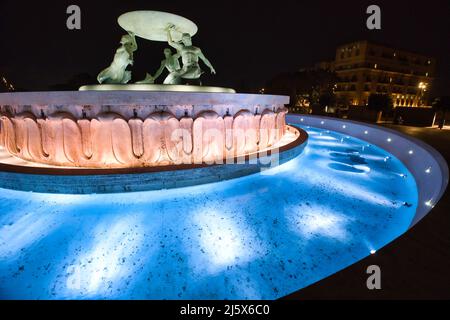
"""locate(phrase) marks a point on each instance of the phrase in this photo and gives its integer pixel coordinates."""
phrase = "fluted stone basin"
(125, 129)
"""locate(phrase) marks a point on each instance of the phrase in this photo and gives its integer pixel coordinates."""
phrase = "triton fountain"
(116, 124)
(262, 235)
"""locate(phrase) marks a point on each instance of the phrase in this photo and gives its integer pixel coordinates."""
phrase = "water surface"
(258, 237)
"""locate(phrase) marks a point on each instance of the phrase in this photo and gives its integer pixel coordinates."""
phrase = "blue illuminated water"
(257, 237)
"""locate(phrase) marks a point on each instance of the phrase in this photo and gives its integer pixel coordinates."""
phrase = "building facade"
(363, 68)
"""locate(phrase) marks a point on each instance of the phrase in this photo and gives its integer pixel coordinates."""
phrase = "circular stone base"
(17, 174)
(155, 87)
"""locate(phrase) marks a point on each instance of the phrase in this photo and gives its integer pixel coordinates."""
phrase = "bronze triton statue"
(157, 26)
(116, 73)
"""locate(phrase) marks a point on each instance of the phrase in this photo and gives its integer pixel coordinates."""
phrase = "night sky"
(248, 42)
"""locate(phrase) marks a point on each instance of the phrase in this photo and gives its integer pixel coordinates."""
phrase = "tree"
(442, 104)
(327, 99)
(310, 84)
(343, 101)
(283, 84)
(380, 102)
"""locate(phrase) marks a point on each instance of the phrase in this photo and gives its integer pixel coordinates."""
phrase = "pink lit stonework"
(138, 129)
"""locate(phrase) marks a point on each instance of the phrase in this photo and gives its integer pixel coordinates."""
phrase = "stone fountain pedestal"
(118, 141)
(124, 129)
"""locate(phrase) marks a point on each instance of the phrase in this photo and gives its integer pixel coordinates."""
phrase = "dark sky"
(247, 41)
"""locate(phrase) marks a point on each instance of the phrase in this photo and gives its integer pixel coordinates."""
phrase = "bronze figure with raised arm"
(172, 65)
(190, 56)
(116, 73)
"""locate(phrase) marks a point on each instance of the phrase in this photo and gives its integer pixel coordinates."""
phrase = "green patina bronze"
(157, 26)
(116, 73)
(190, 57)
(171, 63)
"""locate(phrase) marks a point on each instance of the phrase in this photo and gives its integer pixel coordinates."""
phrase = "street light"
(423, 88)
(422, 85)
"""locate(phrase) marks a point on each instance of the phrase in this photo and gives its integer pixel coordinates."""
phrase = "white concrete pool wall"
(427, 165)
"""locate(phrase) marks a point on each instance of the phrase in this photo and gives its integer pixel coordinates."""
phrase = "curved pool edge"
(98, 181)
(426, 164)
(281, 226)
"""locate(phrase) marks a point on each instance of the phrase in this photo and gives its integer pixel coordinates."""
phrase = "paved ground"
(415, 266)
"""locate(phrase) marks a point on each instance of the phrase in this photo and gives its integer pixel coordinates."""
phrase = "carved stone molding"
(111, 136)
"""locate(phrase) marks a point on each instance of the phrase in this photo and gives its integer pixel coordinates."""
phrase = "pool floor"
(258, 237)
